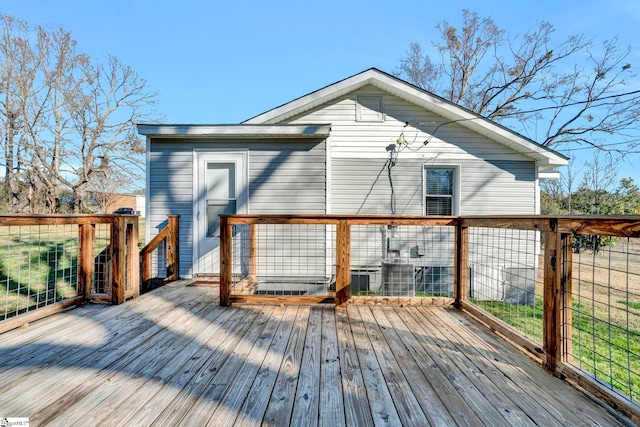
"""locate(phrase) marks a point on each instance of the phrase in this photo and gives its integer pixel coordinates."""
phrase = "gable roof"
(544, 156)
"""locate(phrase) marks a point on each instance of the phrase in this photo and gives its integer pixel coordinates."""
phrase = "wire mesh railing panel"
(505, 277)
(102, 263)
(159, 262)
(402, 261)
(38, 266)
(283, 259)
(605, 325)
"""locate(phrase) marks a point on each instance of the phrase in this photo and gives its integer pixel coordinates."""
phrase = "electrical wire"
(407, 145)
(391, 162)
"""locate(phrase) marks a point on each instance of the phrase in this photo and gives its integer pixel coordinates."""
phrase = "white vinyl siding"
(361, 186)
(170, 191)
(284, 177)
(492, 178)
(363, 139)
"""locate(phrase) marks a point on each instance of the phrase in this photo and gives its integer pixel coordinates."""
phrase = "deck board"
(132, 396)
(216, 379)
(280, 406)
(356, 406)
(483, 381)
(331, 406)
(255, 404)
(229, 400)
(544, 389)
(443, 360)
(175, 396)
(382, 407)
(116, 390)
(428, 398)
(404, 399)
(455, 402)
(116, 364)
(91, 364)
(174, 357)
(487, 359)
(305, 405)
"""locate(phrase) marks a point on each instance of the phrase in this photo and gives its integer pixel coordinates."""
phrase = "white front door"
(221, 188)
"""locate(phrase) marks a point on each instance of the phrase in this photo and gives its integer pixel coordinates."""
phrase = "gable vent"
(370, 108)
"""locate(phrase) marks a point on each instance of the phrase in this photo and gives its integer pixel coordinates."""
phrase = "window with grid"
(439, 191)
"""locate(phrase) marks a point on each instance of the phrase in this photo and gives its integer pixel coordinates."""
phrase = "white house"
(369, 144)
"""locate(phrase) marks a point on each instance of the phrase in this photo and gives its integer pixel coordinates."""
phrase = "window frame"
(455, 190)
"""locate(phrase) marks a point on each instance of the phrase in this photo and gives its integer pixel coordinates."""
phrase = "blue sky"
(226, 61)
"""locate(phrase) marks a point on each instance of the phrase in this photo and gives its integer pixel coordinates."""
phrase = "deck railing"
(49, 263)
(160, 257)
(567, 289)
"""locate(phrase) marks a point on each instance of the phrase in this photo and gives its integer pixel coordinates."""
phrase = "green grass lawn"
(39, 265)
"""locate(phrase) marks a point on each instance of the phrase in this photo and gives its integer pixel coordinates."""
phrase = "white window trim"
(456, 186)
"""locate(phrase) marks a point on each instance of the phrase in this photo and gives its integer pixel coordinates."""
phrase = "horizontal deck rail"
(524, 276)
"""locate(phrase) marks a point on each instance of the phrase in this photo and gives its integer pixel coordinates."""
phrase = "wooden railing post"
(552, 322)
(461, 264)
(118, 248)
(343, 262)
(133, 250)
(86, 263)
(225, 260)
(173, 253)
(145, 270)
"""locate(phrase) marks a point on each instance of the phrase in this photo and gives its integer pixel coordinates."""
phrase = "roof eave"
(235, 131)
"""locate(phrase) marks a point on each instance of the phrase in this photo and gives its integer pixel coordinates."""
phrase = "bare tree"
(20, 62)
(64, 117)
(543, 89)
(110, 99)
(568, 180)
(600, 174)
(106, 188)
(557, 194)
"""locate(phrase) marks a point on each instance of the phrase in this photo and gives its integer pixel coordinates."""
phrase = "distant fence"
(567, 289)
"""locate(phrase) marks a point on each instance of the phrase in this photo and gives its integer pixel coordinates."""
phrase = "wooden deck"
(174, 357)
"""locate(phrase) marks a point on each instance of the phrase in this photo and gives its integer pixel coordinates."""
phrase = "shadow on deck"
(174, 357)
